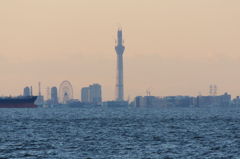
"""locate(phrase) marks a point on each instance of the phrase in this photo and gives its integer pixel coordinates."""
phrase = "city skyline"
(173, 47)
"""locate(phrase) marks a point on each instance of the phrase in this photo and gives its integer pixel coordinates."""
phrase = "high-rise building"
(119, 83)
(95, 93)
(92, 94)
(26, 92)
(85, 95)
(54, 96)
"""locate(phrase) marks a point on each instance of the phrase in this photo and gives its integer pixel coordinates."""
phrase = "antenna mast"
(39, 88)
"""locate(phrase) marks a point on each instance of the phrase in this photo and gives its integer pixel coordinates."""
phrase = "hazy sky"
(173, 47)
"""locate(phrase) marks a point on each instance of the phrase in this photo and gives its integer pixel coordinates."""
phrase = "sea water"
(120, 133)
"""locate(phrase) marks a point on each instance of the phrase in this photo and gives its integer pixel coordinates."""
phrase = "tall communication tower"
(119, 50)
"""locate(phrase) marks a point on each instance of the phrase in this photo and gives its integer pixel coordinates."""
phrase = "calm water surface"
(130, 133)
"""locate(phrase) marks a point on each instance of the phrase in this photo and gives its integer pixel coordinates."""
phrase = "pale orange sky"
(173, 47)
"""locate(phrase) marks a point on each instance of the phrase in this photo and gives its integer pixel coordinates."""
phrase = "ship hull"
(18, 102)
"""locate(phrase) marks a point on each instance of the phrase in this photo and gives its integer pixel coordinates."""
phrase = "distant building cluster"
(92, 94)
(184, 101)
(220, 100)
(150, 101)
(64, 95)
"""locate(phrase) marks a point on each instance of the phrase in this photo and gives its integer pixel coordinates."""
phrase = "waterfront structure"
(146, 101)
(220, 100)
(92, 94)
(26, 92)
(236, 101)
(119, 48)
(138, 101)
(153, 101)
(54, 96)
(184, 101)
(115, 104)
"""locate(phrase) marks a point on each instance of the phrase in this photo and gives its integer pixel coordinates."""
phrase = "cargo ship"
(18, 102)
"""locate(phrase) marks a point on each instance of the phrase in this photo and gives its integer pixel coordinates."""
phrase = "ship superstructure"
(18, 102)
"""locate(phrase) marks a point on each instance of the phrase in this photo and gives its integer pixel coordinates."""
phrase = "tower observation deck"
(119, 81)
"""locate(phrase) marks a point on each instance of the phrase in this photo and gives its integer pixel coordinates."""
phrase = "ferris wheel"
(65, 92)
